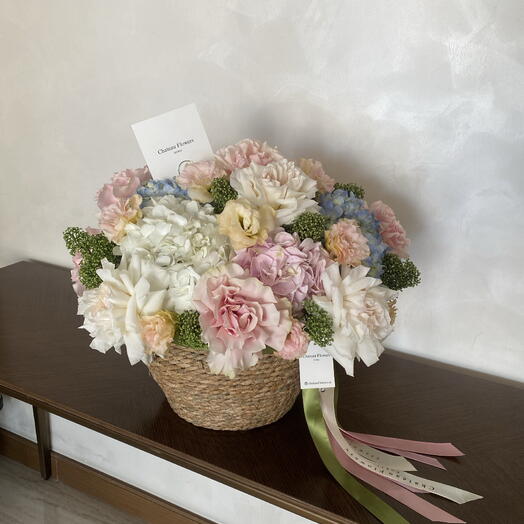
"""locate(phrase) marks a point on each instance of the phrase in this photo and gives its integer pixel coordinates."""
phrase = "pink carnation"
(393, 234)
(314, 170)
(197, 177)
(157, 331)
(118, 202)
(239, 317)
(292, 269)
(346, 243)
(123, 186)
(296, 342)
(115, 217)
(106, 197)
(75, 275)
(318, 260)
(126, 182)
(245, 153)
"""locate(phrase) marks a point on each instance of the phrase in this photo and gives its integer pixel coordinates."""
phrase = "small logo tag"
(316, 369)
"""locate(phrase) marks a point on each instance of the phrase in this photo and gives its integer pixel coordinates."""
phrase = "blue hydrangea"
(339, 204)
(159, 188)
(377, 250)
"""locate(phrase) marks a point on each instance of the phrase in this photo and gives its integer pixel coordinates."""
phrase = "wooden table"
(45, 361)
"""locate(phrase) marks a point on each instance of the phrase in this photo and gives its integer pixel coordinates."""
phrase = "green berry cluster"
(93, 248)
(75, 240)
(309, 225)
(188, 331)
(317, 323)
(222, 192)
(357, 190)
(399, 274)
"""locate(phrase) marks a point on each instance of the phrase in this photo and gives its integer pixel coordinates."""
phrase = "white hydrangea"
(359, 307)
(174, 231)
(281, 185)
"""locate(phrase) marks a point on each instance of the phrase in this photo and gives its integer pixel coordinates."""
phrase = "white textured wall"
(421, 101)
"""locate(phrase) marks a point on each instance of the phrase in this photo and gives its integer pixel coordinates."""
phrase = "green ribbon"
(317, 427)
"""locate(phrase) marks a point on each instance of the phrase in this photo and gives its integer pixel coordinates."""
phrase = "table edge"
(201, 467)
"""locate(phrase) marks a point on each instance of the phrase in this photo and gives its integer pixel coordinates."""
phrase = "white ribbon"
(385, 459)
(457, 495)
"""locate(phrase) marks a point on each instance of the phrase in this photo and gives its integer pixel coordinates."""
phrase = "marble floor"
(26, 499)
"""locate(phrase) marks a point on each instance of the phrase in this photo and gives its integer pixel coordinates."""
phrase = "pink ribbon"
(441, 449)
(394, 490)
(407, 454)
(432, 461)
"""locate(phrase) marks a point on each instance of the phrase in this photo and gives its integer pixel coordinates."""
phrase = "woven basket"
(257, 396)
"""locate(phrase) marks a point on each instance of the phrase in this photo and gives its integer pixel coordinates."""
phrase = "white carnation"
(183, 279)
(99, 320)
(176, 231)
(112, 312)
(281, 185)
(359, 307)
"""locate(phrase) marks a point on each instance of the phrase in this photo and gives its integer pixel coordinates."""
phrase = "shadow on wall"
(324, 137)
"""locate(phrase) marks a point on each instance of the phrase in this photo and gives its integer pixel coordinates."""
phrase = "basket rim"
(202, 351)
(171, 353)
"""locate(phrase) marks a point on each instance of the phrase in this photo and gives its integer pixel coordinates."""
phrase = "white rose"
(281, 185)
(359, 307)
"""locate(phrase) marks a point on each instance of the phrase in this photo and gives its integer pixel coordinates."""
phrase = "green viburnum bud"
(188, 331)
(399, 274)
(93, 249)
(318, 324)
(309, 225)
(87, 272)
(75, 239)
(357, 190)
(222, 192)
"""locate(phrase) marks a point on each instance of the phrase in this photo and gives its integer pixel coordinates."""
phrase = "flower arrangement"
(246, 258)
(243, 254)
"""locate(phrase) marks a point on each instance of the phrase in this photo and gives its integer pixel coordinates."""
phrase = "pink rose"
(346, 243)
(239, 317)
(75, 275)
(244, 153)
(196, 177)
(296, 342)
(292, 269)
(314, 170)
(393, 234)
(126, 182)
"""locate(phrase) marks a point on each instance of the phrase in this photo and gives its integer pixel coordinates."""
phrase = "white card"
(170, 140)
(316, 369)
